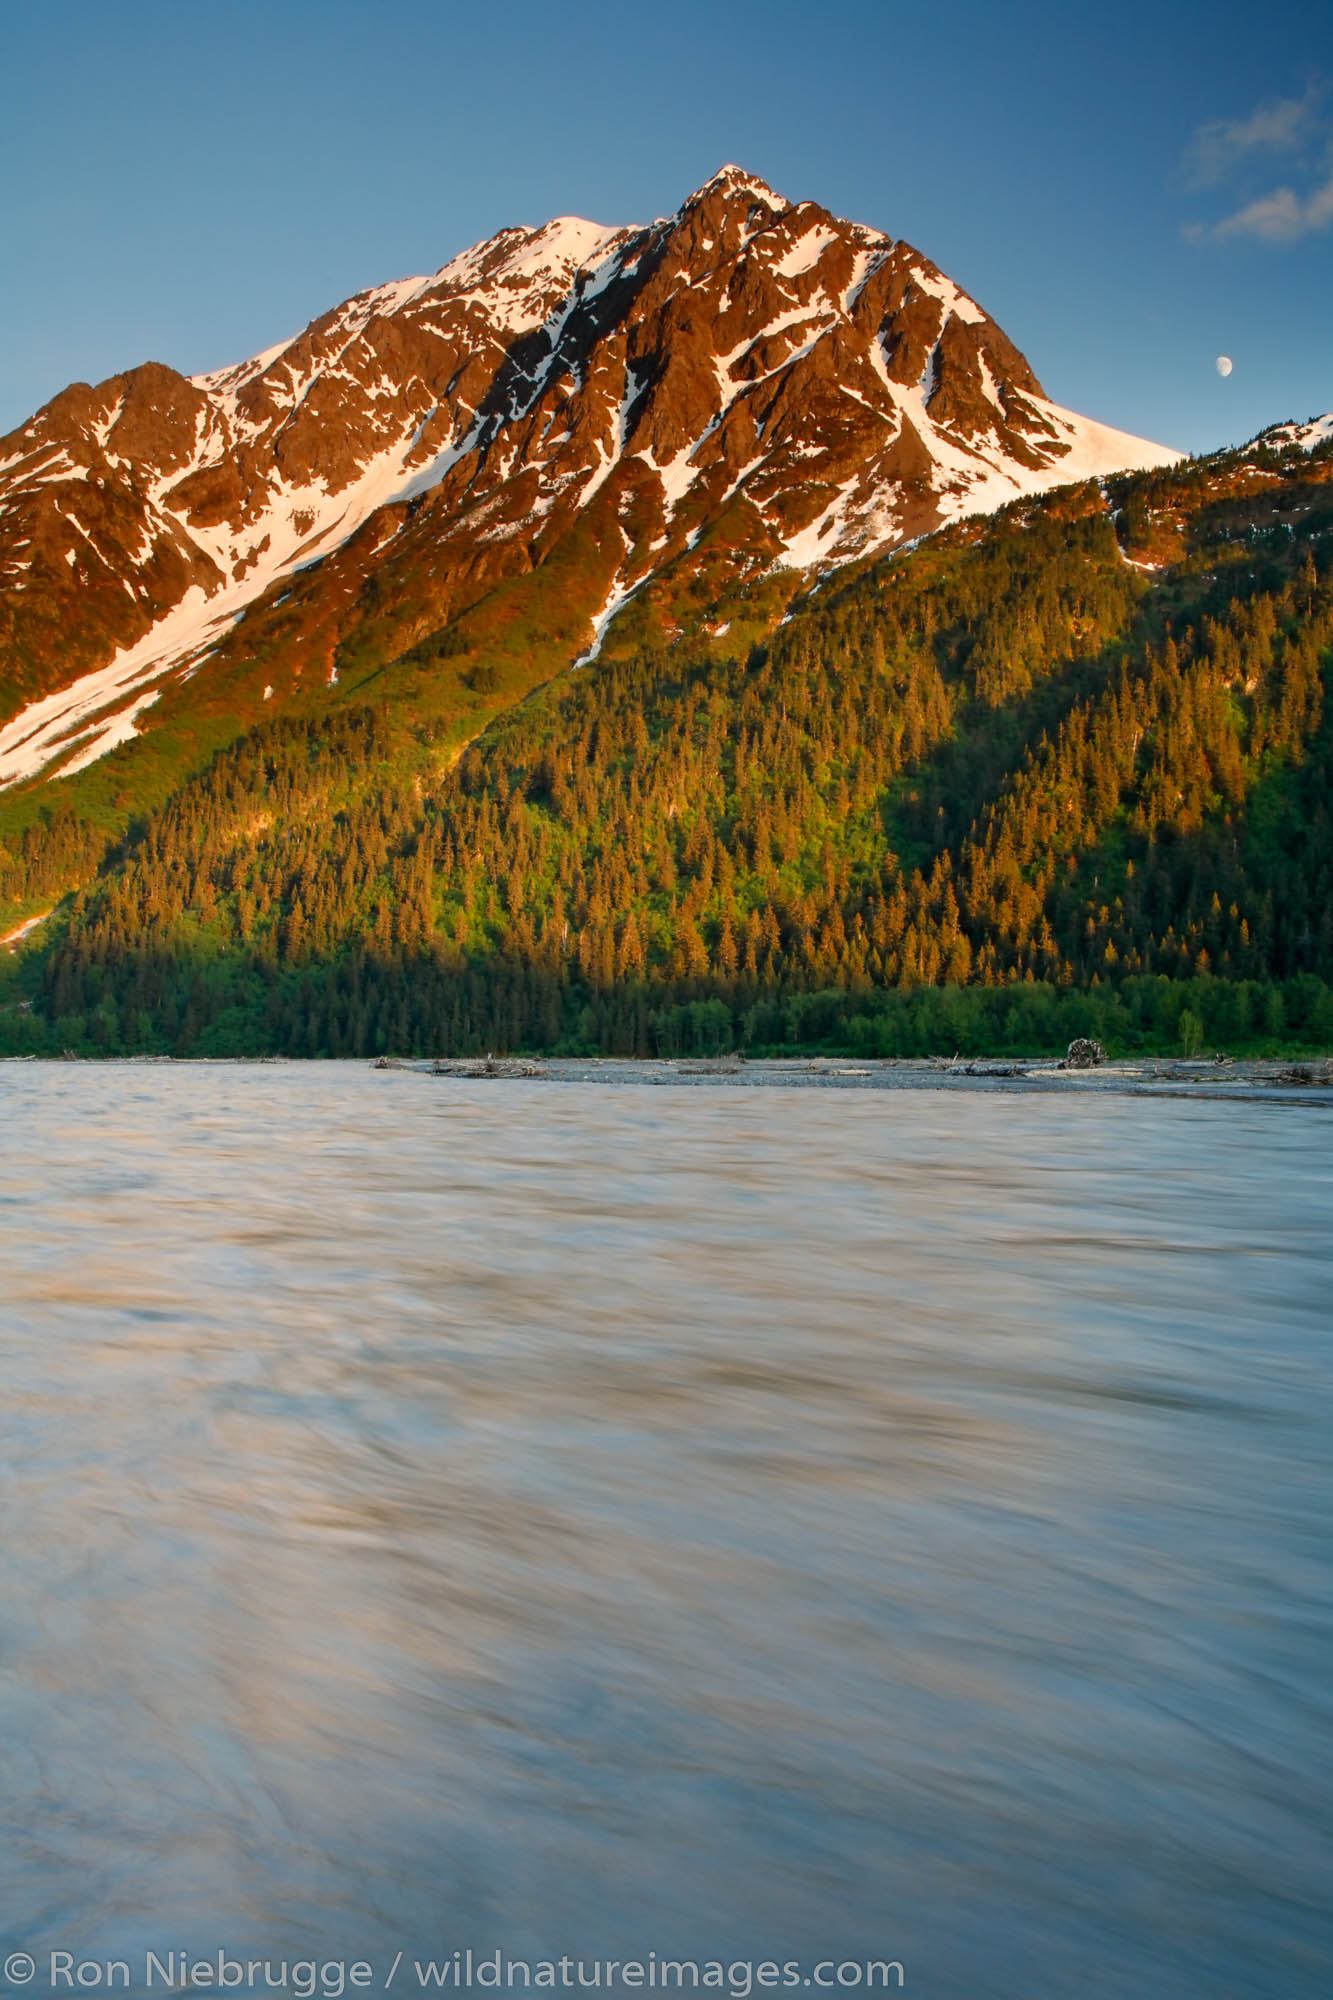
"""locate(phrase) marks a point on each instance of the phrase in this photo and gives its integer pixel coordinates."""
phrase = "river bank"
(1265, 1078)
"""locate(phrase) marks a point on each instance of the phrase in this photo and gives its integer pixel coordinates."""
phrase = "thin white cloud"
(1280, 217)
(1228, 152)
(1283, 126)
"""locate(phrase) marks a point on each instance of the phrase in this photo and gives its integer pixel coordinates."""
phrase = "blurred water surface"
(596, 1519)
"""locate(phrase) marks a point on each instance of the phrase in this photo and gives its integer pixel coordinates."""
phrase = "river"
(770, 1524)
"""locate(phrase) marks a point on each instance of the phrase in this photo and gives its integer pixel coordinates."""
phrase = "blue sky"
(1131, 190)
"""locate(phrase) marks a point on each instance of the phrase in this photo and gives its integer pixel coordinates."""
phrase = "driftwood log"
(490, 1066)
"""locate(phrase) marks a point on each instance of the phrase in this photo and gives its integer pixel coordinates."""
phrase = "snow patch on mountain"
(614, 602)
(806, 252)
(238, 373)
(950, 297)
(1318, 431)
(966, 480)
(301, 525)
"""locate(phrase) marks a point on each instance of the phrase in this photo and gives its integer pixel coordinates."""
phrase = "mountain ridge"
(744, 389)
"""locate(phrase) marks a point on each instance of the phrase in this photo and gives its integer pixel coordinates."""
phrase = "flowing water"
(739, 1525)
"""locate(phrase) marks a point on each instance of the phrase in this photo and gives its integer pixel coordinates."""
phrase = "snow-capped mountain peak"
(748, 383)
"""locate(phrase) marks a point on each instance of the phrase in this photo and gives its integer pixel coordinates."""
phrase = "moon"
(1224, 365)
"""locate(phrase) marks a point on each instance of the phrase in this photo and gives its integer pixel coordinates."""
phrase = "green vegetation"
(988, 796)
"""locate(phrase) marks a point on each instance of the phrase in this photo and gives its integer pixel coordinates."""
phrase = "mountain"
(1060, 771)
(569, 438)
(695, 636)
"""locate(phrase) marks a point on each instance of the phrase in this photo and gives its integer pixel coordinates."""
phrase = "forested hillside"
(1065, 770)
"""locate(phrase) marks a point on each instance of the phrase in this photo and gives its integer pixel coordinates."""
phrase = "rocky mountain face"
(632, 426)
